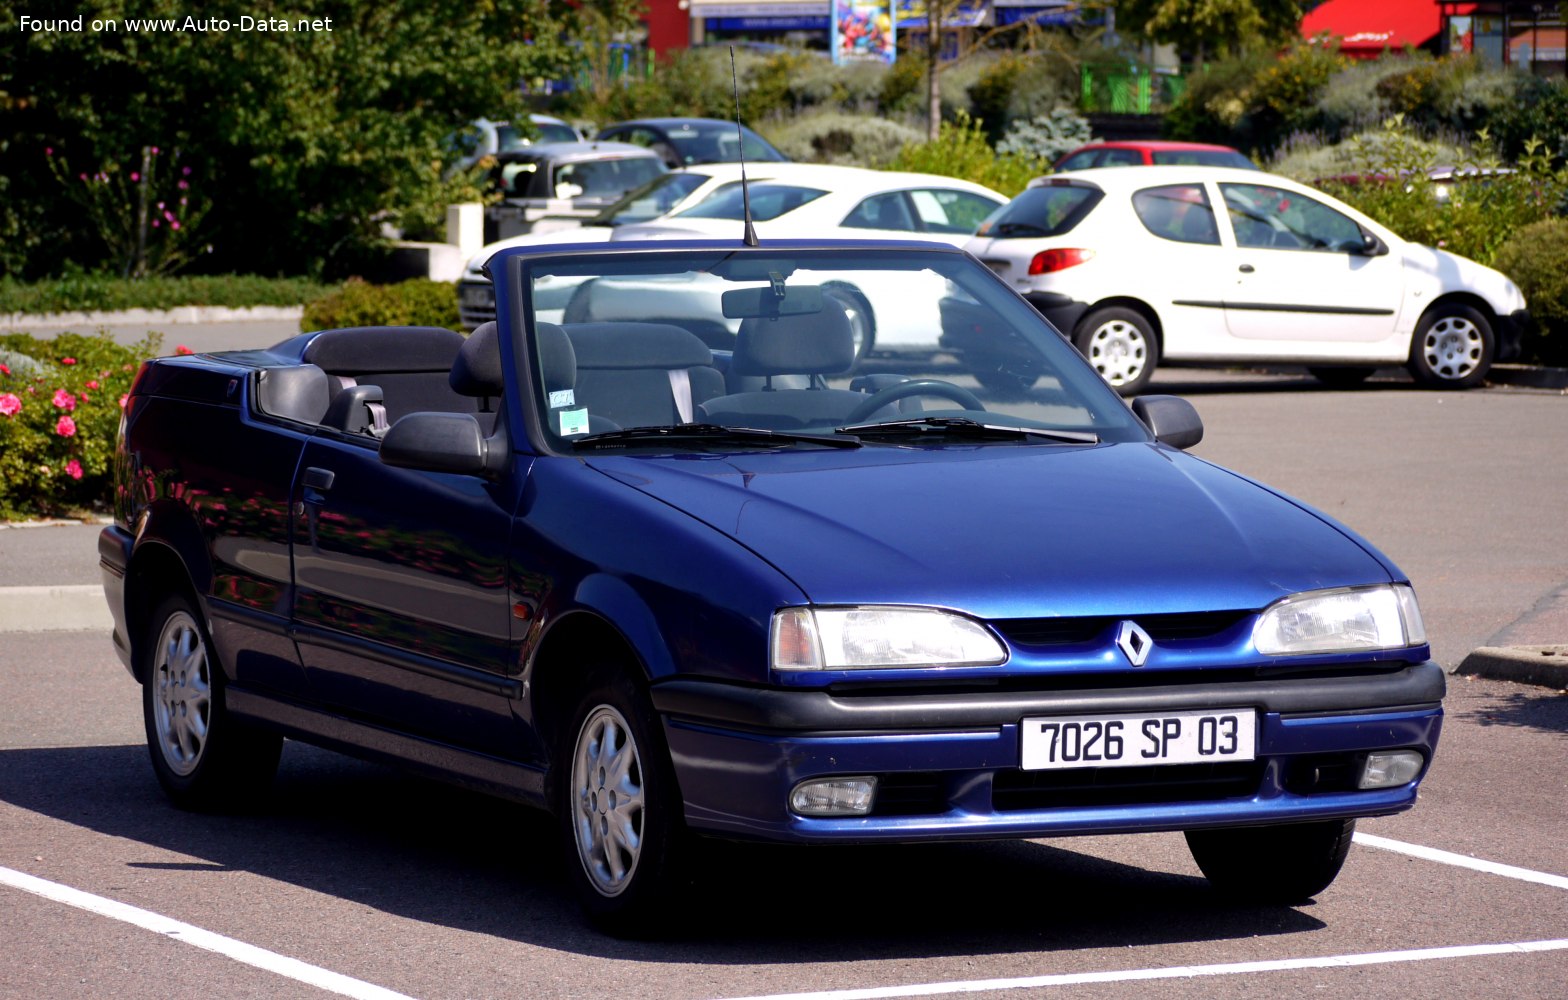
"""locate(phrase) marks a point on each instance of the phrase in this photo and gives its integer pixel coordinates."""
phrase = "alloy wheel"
(607, 800)
(182, 695)
(1452, 347)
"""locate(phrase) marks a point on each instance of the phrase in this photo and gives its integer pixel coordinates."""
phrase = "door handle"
(1245, 269)
(318, 479)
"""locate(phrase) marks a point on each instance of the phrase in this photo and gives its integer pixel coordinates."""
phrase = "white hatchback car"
(1207, 265)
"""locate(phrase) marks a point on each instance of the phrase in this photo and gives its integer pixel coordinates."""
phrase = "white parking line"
(1176, 972)
(1462, 861)
(238, 950)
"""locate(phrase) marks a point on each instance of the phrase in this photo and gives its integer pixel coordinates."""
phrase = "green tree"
(305, 140)
(1202, 27)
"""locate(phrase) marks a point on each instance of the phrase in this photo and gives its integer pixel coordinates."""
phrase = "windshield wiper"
(709, 433)
(967, 428)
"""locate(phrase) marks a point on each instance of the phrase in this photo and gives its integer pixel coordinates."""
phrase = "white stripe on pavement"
(238, 950)
(1461, 860)
(1177, 972)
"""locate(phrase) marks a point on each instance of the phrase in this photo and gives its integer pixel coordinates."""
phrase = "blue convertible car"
(661, 554)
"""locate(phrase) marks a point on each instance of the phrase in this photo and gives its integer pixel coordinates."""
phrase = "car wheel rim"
(1118, 351)
(182, 694)
(607, 800)
(1453, 347)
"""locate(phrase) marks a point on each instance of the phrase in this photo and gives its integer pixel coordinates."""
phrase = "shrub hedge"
(82, 292)
(60, 405)
(408, 303)
(1536, 257)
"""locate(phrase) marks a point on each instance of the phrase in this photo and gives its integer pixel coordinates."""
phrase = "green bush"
(59, 411)
(408, 303)
(1536, 257)
(961, 151)
(836, 137)
(1047, 137)
(1543, 117)
(80, 292)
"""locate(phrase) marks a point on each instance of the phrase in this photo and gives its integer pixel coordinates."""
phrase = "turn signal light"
(1060, 259)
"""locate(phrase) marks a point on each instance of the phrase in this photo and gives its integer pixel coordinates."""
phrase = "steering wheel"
(914, 387)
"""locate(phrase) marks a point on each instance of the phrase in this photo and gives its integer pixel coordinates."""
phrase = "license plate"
(1140, 740)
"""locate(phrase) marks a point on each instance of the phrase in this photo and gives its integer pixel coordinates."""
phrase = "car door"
(1177, 262)
(401, 603)
(1301, 271)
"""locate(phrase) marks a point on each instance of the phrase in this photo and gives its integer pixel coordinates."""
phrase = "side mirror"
(1371, 246)
(1171, 419)
(437, 442)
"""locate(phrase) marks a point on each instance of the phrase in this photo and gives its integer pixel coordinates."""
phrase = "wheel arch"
(1136, 305)
(1470, 299)
(156, 571)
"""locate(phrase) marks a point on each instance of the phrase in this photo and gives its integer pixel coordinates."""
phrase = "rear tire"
(203, 756)
(1276, 865)
(619, 809)
(1120, 344)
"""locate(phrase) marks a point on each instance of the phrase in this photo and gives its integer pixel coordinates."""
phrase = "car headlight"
(1341, 621)
(859, 637)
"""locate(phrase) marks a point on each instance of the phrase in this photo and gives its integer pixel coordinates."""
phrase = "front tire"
(1452, 348)
(1275, 865)
(1121, 345)
(203, 756)
(619, 809)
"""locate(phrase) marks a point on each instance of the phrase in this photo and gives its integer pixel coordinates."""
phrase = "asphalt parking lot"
(354, 879)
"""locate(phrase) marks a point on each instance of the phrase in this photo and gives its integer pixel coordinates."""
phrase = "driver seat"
(811, 344)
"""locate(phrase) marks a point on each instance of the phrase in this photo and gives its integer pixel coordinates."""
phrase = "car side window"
(1178, 212)
(1285, 220)
(1077, 161)
(1119, 158)
(957, 212)
(881, 211)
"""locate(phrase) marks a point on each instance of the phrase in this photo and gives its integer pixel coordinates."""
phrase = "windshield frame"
(519, 266)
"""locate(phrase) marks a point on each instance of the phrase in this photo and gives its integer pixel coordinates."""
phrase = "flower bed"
(60, 403)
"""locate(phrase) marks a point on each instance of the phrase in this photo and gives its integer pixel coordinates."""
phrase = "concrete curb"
(53, 609)
(1529, 375)
(156, 317)
(1544, 666)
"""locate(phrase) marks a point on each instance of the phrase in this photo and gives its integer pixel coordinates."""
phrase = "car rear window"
(1202, 158)
(1048, 210)
(768, 201)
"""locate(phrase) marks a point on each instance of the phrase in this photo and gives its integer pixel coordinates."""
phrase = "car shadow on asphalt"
(438, 854)
(1537, 709)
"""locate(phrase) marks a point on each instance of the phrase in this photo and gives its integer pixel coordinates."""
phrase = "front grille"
(1125, 786)
(1076, 631)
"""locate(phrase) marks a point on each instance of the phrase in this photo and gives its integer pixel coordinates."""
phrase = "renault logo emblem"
(1134, 642)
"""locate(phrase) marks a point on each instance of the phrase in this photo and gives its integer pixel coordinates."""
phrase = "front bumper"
(948, 764)
(1063, 311)
(114, 558)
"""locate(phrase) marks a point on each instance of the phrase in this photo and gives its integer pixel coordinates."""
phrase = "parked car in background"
(666, 193)
(684, 142)
(1152, 152)
(825, 202)
(1205, 265)
(663, 590)
(562, 184)
(484, 137)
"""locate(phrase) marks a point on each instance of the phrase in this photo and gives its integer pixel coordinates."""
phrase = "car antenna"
(749, 236)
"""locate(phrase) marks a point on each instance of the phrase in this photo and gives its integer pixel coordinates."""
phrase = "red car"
(1148, 152)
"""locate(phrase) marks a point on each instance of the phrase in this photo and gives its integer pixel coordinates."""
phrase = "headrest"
(298, 392)
(637, 345)
(819, 343)
(367, 350)
(476, 371)
(557, 359)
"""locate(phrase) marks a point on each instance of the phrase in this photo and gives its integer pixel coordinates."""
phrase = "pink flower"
(183, 185)
(92, 383)
(5, 369)
(73, 468)
(48, 150)
(65, 427)
(68, 361)
(123, 399)
(64, 400)
(10, 405)
(135, 176)
(174, 225)
(82, 178)
(155, 150)
(185, 171)
(182, 349)
(84, 397)
(156, 223)
(160, 205)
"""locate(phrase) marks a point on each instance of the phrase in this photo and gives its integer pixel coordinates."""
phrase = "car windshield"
(1052, 209)
(768, 201)
(719, 349)
(650, 201)
(606, 179)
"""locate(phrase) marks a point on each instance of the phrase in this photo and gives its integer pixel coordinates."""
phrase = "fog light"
(834, 797)
(1389, 770)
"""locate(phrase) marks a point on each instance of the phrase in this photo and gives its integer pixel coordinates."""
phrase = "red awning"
(1367, 27)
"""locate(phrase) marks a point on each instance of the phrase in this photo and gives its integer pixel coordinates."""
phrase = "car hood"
(1008, 531)
(1449, 272)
